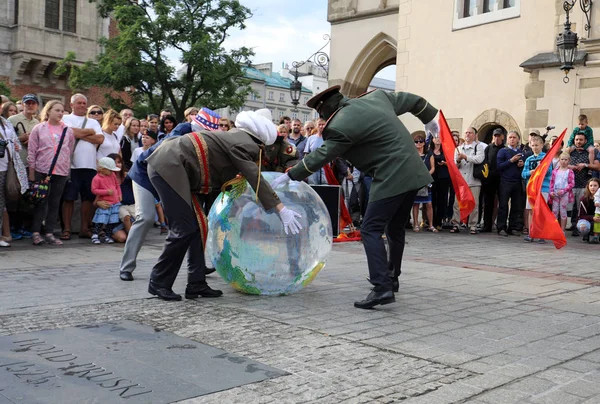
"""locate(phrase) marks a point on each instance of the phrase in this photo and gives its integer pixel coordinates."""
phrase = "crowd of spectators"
(96, 147)
(501, 205)
(85, 156)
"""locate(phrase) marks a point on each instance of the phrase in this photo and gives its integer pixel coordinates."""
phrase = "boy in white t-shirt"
(148, 140)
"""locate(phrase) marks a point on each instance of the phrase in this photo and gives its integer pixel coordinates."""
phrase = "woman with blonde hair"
(110, 124)
(96, 113)
(190, 113)
(130, 141)
(44, 142)
(282, 130)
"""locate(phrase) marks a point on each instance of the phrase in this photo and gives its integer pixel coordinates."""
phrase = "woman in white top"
(110, 124)
(10, 146)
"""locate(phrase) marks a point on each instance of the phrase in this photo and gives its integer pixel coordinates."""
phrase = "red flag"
(544, 224)
(464, 196)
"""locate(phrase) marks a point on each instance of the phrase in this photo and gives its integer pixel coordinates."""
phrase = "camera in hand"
(3, 144)
(550, 127)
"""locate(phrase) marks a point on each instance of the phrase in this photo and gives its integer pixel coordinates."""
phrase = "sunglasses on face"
(96, 112)
(222, 125)
(419, 141)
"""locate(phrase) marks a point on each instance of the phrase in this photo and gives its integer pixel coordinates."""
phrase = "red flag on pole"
(544, 224)
(464, 196)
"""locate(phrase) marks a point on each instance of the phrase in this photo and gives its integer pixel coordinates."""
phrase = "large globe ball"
(250, 249)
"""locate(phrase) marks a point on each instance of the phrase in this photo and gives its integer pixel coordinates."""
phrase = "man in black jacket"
(491, 187)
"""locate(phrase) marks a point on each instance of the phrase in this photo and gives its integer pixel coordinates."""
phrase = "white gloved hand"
(281, 180)
(290, 223)
(432, 128)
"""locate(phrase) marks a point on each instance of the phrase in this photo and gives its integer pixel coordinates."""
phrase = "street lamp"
(320, 59)
(295, 90)
(566, 42)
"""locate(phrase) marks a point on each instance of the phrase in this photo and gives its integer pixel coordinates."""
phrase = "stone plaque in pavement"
(118, 362)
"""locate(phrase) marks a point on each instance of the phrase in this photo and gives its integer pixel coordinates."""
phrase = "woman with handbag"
(49, 155)
(9, 146)
(424, 194)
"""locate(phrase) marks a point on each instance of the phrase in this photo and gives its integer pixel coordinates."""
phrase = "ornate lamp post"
(320, 59)
(567, 41)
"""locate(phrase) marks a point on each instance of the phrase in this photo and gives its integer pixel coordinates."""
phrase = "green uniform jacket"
(280, 156)
(367, 132)
(229, 154)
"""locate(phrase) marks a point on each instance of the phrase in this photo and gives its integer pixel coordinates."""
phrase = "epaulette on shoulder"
(368, 92)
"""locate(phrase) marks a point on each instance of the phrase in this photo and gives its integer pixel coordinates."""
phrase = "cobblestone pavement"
(479, 319)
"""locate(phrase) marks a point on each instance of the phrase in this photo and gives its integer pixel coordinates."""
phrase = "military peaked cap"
(316, 101)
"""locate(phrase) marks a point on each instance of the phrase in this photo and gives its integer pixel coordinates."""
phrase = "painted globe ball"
(248, 245)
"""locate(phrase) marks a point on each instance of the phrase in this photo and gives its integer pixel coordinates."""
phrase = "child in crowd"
(536, 143)
(587, 208)
(561, 189)
(589, 136)
(106, 186)
(148, 140)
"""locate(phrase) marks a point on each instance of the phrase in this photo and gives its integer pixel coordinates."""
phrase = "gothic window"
(52, 10)
(69, 17)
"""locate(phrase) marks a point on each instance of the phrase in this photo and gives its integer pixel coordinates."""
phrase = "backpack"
(481, 171)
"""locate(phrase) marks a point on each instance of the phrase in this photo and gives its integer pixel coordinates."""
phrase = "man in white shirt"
(125, 115)
(466, 156)
(88, 135)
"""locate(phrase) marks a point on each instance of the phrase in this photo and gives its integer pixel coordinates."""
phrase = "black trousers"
(386, 215)
(439, 197)
(451, 200)
(184, 236)
(513, 192)
(490, 191)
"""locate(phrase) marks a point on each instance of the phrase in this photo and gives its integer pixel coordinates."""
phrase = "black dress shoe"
(395, 283)
(126, 276)
(209, 271)
(163, 293)
(376, 298)
(194, 290)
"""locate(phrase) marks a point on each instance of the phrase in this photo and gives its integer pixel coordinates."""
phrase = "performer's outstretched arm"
(336, 145)
(415, 104)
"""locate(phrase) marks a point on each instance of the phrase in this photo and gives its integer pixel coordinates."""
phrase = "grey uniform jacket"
(229, 154)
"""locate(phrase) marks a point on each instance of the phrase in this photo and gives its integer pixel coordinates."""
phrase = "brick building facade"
(35, 34)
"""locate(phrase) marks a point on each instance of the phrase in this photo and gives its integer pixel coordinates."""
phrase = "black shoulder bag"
(481, 171)
(38, 190)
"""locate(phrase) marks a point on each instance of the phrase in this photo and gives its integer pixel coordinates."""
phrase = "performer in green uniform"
(184, 170)
(367, 132)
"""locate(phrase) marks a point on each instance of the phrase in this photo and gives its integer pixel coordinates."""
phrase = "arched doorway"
(485, 133)
(491, 119)
(378, 54)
